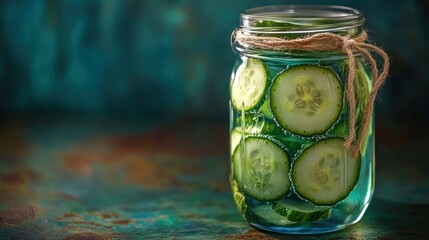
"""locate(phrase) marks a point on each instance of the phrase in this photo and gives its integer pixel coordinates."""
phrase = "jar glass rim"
(303, 18)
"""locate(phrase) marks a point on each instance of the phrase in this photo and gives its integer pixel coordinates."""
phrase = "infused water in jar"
(291, 171)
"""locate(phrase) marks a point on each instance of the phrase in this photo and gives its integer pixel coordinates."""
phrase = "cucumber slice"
(325, 173)
(306, 100)
(261, 168)
(363, 85)
(283, 25)
(235, 139)
(256, 123)
(278, 26)
(248, 86)
(270, 216)
(301, 211)
(271, 128)
(239, 199)
(339, 130)
(265, 109)
(252, 121)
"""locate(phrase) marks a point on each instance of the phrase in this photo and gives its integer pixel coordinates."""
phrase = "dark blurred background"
(171, 60)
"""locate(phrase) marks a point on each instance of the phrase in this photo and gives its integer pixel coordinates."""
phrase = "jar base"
(300, 230)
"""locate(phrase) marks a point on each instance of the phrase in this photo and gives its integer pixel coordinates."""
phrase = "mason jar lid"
(302, 19)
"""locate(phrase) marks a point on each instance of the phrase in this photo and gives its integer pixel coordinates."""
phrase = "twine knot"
(347, 42)
(333, 42)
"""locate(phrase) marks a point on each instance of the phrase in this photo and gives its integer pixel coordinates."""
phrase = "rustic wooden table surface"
(104, 179)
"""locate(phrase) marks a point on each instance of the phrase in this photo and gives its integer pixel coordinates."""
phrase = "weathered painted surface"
(122, 180)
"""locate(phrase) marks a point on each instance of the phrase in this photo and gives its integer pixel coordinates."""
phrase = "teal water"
(261, 122)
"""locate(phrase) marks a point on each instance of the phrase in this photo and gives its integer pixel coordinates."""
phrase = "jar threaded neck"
(302, 19)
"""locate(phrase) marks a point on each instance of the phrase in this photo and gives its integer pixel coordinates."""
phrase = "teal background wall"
(172, 58)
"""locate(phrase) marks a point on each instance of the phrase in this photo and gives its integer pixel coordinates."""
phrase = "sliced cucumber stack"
(306, 100)
(248, 86)
(325, 173)
(261, 168)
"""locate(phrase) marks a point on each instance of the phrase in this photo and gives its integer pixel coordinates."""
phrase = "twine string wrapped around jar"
(333, 42)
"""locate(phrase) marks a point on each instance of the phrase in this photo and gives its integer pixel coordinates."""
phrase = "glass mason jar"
(289, 118)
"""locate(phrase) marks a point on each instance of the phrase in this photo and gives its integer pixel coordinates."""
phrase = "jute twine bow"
(333, 42)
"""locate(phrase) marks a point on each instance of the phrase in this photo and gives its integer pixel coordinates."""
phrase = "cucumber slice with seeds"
(261, 168)
(306, 100)
(325, 173)
(248, 86)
